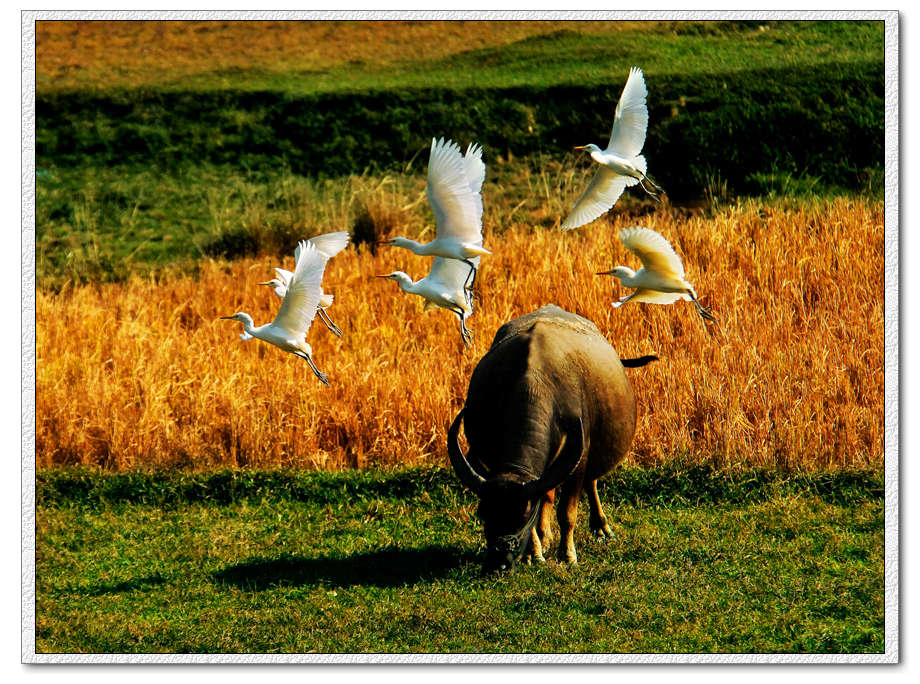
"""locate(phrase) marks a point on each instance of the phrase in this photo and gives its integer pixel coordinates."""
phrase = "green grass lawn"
(702, 561)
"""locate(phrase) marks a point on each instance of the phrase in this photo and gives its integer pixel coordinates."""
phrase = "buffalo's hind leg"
(598, 521)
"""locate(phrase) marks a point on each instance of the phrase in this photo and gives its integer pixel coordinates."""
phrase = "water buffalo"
(549, 406)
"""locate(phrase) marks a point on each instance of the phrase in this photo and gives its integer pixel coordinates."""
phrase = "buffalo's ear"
(566, 462)
(468, 476)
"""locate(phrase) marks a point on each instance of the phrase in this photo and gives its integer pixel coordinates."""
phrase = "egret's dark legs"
(316, 371)
(704, 311)
(333, 328)
(650, 187)
(469, 282)
(465, 332)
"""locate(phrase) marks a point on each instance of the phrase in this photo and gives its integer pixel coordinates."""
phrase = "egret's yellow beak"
(267, 282)
(605, 273)
(581, 147)
(227, 317)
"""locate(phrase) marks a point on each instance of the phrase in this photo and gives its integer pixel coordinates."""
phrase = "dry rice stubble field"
(144, 374)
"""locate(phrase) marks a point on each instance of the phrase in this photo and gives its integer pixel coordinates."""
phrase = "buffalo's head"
(510, 500)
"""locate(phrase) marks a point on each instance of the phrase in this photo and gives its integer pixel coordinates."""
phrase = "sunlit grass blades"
(127, 374)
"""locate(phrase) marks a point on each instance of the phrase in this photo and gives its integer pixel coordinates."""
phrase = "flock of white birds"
(454, 193)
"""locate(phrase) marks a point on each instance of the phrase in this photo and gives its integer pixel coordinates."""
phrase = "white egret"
(454, 192)
(661, 278)
(289, 329)
(444, 286)
(329, 244)
(621, 165)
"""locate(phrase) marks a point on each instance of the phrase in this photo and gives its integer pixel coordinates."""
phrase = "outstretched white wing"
(457, 207)
(474, 166)
(304, 291)
(631, 118)
(655, 252)
(602, 193)
(329, 243)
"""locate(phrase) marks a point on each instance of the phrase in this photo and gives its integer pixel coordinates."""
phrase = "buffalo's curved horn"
(567, 459)
(462, 467)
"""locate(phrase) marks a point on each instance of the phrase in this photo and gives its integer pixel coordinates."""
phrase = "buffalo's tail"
(638, 362)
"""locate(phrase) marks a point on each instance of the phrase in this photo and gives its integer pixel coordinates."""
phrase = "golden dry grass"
(77, 54)
(144, 374)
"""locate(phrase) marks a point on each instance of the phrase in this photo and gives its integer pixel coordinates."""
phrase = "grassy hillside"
(736, 100)
(145, 155)
(316, 57)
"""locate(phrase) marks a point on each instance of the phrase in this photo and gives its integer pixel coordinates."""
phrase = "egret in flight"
(661, 278)
(454, 187)
(621, 165)
(289, 329)
(444, 286)
(329, 244)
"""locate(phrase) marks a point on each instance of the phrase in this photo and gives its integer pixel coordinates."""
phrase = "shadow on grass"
(386, 568)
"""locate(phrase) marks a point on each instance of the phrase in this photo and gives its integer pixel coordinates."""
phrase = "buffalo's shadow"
(390, 567)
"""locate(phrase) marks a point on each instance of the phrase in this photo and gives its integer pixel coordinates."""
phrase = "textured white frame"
(892, 337)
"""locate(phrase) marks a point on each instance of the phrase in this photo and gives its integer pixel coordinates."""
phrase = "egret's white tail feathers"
(640, 164)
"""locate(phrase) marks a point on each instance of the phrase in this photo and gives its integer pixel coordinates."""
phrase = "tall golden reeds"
(144, 374)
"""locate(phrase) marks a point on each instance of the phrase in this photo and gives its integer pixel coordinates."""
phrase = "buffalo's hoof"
(535, 558)
(603, 534)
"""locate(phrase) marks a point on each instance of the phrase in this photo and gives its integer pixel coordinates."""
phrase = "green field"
(210, 163)
(388, 562)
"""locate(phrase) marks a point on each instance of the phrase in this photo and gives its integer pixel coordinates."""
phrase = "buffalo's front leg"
(545, 523)
(541, 534)
(566, 514)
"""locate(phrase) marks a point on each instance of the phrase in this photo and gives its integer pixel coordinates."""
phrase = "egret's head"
(238, 316)
(397, 242)
(618, 272)
(273, 283)
(590, 147)
(398, 276)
